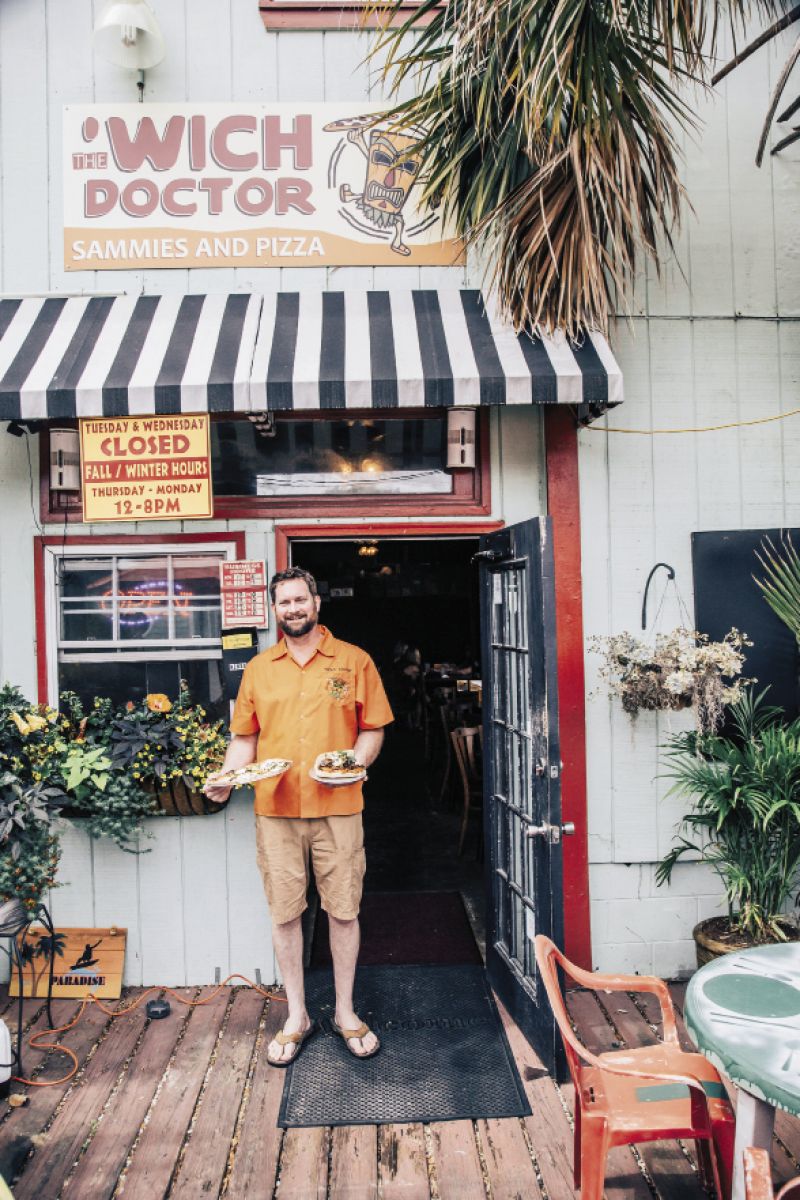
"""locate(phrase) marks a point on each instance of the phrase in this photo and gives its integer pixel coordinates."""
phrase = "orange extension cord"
(36, 1044)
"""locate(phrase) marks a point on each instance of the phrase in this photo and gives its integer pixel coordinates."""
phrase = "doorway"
(413, 604)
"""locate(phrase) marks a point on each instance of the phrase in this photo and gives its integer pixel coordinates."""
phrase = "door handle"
(552, 833)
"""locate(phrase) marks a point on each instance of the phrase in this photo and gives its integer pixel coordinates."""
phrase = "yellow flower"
(23, 726)
(158, 702)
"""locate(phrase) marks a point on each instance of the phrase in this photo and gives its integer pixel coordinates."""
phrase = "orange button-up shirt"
(300, 712)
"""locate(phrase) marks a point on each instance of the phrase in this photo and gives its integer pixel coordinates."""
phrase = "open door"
(522, 769)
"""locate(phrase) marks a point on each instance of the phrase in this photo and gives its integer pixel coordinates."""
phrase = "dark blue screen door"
(522, 789)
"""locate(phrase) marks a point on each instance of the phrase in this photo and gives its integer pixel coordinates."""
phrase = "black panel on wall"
(725, 595)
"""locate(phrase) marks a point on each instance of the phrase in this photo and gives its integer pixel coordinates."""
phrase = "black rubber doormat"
(444, 1055)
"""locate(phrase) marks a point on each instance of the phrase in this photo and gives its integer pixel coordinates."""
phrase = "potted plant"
(744, 821)
(681, 669)
(169, 750)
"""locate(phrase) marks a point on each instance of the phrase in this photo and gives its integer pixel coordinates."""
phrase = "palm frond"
(780, 586)
(551, 137)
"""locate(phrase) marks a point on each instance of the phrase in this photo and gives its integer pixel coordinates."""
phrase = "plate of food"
(338, 767)
(242, 776)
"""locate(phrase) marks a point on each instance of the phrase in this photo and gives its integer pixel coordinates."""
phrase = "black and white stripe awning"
(113, 356)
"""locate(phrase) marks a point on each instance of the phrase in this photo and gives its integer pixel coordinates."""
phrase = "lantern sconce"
(65, 461)
(127, 34)
(461, 423)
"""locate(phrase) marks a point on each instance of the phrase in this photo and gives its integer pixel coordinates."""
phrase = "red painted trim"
(288, 533)
(563, 502)
(355, 15)
(40, 545)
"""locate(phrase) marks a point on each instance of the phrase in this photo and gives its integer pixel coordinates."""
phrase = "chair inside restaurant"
(413, 605)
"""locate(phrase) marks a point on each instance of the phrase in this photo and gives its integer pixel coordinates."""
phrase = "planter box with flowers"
(111, 769)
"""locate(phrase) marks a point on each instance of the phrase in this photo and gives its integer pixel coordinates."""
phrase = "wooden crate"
(92, 961)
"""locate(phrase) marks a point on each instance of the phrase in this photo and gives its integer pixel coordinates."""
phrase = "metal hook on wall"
(671, 575)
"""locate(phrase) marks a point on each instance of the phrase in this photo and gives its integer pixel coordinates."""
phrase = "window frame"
(346, 15)
(48, 548)
(471, 495)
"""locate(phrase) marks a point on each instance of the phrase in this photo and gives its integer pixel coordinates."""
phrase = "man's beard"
(297, 631)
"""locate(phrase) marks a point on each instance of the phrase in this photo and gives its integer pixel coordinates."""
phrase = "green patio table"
(743, 1013)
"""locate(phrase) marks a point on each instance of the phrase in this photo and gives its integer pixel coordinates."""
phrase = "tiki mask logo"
(393, 162)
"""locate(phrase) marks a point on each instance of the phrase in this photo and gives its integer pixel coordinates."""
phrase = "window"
(347, 457)
(357, 463)
(129, 619)
(331, 14)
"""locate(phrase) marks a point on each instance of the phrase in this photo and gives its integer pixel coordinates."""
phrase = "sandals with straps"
(289, 1039)
(361, 1032)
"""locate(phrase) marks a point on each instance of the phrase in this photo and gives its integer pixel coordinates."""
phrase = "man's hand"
(368, 746)
(240, 753)
(217, 792)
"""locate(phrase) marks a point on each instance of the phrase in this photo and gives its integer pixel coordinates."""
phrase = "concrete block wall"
(641, 928)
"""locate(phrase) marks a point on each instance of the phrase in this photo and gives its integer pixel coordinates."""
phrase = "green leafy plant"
(745, 815)
(781, 585)
(29, 838)
(85, 768)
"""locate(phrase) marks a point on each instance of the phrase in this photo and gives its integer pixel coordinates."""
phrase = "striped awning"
(113, 356)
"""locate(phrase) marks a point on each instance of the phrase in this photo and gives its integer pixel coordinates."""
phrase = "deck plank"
(548, 1129)
(156, 1154)
(59, 1148)
(100, 1167)
(402, 1166)
(258, 1143)
(21, 1124)
(508, 1160)
(459, 1174)
(303, 1168)
(204, 1163)
(354, 1162)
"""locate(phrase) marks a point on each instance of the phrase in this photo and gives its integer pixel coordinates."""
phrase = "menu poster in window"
(243, 589)
(146, 468)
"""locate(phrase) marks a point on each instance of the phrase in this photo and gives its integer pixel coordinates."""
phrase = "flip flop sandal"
(289, 1039)
(347, 1034)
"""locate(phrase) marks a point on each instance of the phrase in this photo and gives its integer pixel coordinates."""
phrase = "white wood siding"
(714, 339)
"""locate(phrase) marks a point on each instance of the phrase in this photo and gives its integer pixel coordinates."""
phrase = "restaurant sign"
(231, 185)
(146, 468)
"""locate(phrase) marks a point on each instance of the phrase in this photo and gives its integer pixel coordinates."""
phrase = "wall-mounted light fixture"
(367, 549)
(128, 35)
(65, 460)
(264, 423)
(460, 438)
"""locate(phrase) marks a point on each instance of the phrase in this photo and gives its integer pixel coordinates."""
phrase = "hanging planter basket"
(175, 799)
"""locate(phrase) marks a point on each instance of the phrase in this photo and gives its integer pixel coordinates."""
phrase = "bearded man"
(306, 696)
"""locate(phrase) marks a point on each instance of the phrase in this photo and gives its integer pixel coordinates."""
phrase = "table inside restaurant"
(743, 1012)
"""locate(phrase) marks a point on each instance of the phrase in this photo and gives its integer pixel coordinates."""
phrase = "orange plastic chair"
(643, 1094)
(758, 1178)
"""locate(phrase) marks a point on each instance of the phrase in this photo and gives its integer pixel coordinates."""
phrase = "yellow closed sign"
(146, 468)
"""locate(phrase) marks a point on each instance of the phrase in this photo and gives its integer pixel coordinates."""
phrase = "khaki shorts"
(335, 846)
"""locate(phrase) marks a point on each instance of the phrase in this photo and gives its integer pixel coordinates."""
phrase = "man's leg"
(288, 942)
(345, 938)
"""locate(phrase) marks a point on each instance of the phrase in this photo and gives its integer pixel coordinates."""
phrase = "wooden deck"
(186, 1108)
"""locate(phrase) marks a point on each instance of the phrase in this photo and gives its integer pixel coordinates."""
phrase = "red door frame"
(564, 507)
